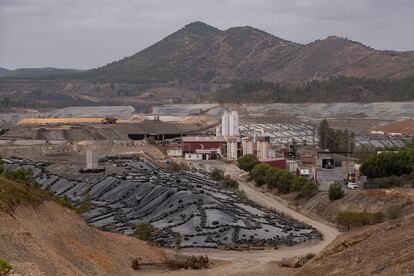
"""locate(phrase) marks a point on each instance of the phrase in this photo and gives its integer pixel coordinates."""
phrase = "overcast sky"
(88, 33)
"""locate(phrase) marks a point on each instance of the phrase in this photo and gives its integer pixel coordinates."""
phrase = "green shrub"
(285, 181)
(5, 267)
(308, 188)
(36, 185)
(247, 162)
(20, 175)
(272, 177)
(143, 231)
(336, 191)
(216, 174)
(65, 202)
(86, 202)
(258, 174)
(230, 183)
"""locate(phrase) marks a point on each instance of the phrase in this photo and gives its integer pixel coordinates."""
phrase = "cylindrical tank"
(225, 124)
(231, 124)
(235, 123)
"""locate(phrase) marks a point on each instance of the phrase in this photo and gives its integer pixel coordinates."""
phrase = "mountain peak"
(200, 28)
(200, 53)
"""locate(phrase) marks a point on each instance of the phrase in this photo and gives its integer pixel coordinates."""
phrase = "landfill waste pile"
(204, 212)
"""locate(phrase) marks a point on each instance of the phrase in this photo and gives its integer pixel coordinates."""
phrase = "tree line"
(275, 178)
(390, 168)
(334, 89)
(336, 140)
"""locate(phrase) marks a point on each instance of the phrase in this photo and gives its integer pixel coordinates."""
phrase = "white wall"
(193, 156)
(175, 152)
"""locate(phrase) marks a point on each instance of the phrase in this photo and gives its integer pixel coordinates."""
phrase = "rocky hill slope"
(337, 56)
(199, 52)
(202, 53)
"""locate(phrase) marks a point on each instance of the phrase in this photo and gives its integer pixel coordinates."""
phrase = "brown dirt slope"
(383, 249)
(52, 240)
(360, 201)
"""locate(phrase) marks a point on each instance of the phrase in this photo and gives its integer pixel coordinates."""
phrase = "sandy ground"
(260, 262)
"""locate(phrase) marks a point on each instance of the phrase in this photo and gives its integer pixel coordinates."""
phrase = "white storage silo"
(231, 124)
(225, 124)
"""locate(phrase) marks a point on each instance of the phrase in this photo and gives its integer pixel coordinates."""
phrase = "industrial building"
(209, 147)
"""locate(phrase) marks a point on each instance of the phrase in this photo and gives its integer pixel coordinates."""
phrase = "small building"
(276, 162)
(194, 156)
(175, 152)
(209, 154)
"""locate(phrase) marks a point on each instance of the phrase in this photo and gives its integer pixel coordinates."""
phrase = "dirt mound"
(380, 249)
(405, 127)
(52, 240)
(199, 120)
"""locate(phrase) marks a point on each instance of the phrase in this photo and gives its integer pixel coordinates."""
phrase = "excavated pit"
(205, 213)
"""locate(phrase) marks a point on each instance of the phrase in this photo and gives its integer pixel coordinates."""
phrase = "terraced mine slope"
(205, 213)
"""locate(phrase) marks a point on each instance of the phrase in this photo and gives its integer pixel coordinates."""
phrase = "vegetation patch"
(391, 168)
(282, 180)
(143, 231)
(17, 187)
(5, 267)
(13, 193)
(334, 89)
(336, 191)
(348, 220)
(248, 162)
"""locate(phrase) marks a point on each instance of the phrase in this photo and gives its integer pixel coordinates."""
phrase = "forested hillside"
(336, 89)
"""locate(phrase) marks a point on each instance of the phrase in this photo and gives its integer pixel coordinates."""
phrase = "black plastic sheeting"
(205, 213)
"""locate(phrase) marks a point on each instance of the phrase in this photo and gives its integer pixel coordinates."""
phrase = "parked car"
(352, 185)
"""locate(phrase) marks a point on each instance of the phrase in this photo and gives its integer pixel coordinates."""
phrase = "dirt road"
(259, 262)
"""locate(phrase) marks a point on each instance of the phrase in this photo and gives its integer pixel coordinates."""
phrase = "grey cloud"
(90, 33)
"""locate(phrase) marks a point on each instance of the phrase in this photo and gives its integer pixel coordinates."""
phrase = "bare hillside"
(337, 56)
(52, 240)
(382, 249)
